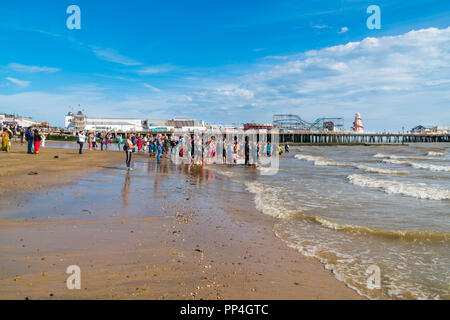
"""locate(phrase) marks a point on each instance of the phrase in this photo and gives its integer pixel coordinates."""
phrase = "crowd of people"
(34, 138)
(206, 149)
(185, 148)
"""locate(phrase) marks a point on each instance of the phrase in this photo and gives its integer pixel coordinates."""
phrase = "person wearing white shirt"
(81, 141)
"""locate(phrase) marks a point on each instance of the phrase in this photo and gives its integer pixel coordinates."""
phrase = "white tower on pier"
(357, 124)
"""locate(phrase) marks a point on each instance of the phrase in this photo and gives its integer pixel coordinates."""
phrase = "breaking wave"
(267, 200)
(380, 170)
(417, 165)
(435, 154)
(320, 161)
(395, 187)
(410, 235)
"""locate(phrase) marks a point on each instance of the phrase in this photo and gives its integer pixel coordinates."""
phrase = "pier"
(302, 137)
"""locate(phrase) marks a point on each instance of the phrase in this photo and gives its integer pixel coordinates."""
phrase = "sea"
(377, 216)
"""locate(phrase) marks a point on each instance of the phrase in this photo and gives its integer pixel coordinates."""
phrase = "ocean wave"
(391, 156)
(320, 161)
(418, 165)
(267, 200)
(395, 187)
(435, 154)
(410, 235)
(380, 170)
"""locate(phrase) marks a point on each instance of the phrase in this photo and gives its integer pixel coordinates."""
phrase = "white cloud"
(112, 55)
(343, 30)
(20, 83)
(151, 87)
(393, 81)
(156, 69)
(31, 69)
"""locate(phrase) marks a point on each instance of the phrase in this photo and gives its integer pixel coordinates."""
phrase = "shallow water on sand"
(363, 209)
(115, 192)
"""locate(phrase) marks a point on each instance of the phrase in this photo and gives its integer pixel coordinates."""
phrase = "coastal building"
(79, 121)
(431, 129)
(19, 121)
(187, 124)
(444, 129)
(257, 126)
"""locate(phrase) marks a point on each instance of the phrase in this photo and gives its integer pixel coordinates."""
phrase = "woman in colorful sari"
(37, 141)
(5, 141)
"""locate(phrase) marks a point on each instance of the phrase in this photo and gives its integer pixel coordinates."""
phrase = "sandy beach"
(159, 232)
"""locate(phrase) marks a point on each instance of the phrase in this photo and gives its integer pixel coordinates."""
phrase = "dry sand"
(195, 246)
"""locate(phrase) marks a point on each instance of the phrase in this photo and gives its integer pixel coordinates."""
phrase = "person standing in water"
(101, 139)
(160, 150)
(129, 149)
(119, 144)
(247, 152)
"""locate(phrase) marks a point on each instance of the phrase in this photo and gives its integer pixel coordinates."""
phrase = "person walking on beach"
(129, 149)
(81, 141)
(29, 138)
(160, 151)
(269, 149)
(37, 141)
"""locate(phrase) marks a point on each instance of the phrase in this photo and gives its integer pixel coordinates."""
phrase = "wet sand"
(22, 173)
(159, 232)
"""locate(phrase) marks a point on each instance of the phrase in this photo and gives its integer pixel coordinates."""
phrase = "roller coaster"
(294, 122)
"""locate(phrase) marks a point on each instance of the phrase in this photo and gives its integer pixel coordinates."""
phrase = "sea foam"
(396, 187)
(417, 165)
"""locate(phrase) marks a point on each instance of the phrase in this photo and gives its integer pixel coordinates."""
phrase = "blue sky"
(228, 61)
